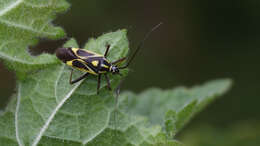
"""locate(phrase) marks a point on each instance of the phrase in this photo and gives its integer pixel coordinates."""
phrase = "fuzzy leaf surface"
(89, 119)
(47, 110)
(22, 23)
(173, 108)
(47, 105)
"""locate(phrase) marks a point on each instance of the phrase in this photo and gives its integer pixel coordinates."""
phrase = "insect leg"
(98, 84)
(78, 79)
(108, 82)
(108, 46)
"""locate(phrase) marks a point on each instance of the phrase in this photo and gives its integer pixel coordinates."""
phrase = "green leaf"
(118, 41)
(42, 100)
(22, 22)
(88, 119)
(173, 108)
(47, 110)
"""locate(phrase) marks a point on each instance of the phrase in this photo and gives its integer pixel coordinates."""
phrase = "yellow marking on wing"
(69, 63)
(91, 71)
(87, 51)
(95, 54)
(75, 50)
(95, 63)
(105, 66)
(81, 69)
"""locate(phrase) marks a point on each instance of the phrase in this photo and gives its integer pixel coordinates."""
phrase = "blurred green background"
(199, 41)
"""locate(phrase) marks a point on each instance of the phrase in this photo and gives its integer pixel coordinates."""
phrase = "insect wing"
(93, 63)
(84, 54)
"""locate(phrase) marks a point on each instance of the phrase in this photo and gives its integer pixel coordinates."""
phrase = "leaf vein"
(78, 126)
(100, 131)
(25, 27)
(16, 115)
(10, 7)
(56, 82)
(3, 55)
(47, 123)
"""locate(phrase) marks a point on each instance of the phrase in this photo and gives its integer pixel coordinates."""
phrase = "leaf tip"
(71, 43)
(124, 30)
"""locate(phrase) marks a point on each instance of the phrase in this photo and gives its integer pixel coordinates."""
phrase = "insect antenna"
(140, 46)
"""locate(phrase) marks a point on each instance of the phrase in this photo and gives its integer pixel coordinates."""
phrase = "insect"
(94, 63)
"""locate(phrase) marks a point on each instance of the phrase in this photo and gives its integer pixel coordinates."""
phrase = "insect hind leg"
(78, 79)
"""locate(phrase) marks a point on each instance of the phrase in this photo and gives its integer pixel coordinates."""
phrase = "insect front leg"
(108, 46)
(78, 79)
(108, 82)
(98, 84)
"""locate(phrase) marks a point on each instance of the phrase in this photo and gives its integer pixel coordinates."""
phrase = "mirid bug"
(93, 63)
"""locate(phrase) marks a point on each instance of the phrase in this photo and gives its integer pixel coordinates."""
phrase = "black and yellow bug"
(93, 63)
